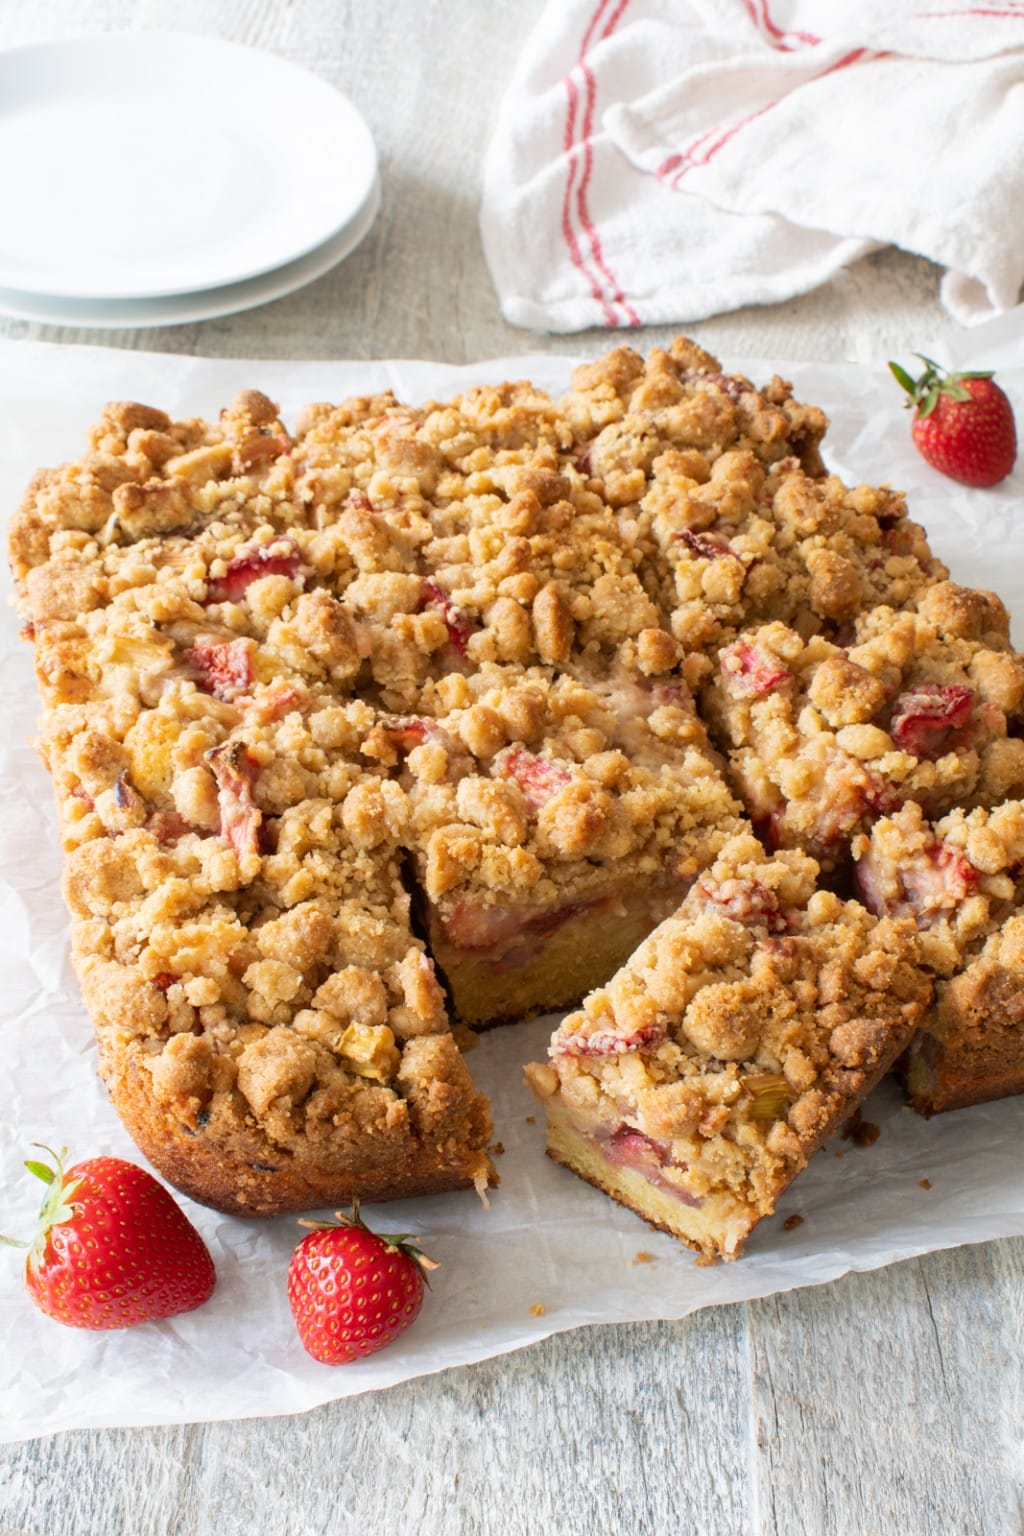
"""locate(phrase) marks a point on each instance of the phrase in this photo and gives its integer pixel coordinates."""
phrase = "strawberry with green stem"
(353, 1291)
(963, 423)
(112, 1248)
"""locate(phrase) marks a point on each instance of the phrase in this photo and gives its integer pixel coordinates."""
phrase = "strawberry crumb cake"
(961, 880)
(695, 1086)
(397, 722)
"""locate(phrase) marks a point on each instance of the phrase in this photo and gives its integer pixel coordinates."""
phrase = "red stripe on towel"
(972, 10)
(582, 206)
(696, 155)
(576, 193)
(761, 17)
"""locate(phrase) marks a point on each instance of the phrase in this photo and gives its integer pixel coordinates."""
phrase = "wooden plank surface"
(891, 1402)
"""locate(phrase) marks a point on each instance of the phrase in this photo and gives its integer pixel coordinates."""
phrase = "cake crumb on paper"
(925, 1183)
(642, 1257)
(530, 1119)
(792, 1222)
(863, 1133)
(538, 1309)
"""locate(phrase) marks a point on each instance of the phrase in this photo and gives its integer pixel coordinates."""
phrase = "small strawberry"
(351, 1290)
(963, 425)
(112, 1248)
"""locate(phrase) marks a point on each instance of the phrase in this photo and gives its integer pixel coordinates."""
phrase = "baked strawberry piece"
(925, 706)
(961, 880)
(553, 824)
(694, 1087)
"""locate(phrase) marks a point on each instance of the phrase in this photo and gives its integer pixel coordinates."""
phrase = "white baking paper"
(547, 1241)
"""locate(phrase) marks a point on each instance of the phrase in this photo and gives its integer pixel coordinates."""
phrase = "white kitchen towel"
(663, 160)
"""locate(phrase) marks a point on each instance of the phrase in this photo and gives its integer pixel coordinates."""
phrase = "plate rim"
(13, 279)
(263, 288)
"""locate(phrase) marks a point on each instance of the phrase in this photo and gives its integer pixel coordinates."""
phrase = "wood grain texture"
(891, 1402)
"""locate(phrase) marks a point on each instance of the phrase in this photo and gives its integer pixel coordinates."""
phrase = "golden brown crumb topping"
(919, 707)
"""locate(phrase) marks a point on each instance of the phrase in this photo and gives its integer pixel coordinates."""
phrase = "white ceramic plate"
(147, 164)
(230, 298)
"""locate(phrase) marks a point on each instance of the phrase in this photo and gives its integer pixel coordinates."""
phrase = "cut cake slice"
(695, 1086)
(553, 824)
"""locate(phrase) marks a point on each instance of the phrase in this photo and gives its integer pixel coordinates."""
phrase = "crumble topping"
(921, 706)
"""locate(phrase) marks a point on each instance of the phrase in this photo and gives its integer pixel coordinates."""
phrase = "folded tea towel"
(664, 160)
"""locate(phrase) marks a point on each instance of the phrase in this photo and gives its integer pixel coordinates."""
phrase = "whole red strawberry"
(963, 423)
(112, 1248)
(351, 1290)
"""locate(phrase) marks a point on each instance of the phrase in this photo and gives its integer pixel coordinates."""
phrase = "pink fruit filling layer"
(508, 937)
(629, 1148)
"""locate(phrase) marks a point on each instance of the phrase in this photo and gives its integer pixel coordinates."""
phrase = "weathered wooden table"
(891, 1402)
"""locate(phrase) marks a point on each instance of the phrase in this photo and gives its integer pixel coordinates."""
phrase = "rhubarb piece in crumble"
(925, 706)
(961, 880)
(552, 825)
(695, 1086)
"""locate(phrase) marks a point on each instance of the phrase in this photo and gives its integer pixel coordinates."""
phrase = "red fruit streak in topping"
(459, 626)
(744, 901)
(926, 720)
(750, 670)
(706, 546)
(235, 772)
(250, 566)
(274, 703)
(168, 826)
(608, 1042)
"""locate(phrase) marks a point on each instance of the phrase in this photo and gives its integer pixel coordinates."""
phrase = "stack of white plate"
(155, 178)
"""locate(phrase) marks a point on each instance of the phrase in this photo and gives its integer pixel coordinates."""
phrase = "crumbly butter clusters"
(526, 786)
(924, 705)
(740, 1032)
(745, 543)
(958, 878)
(240, 927)
(274, 663)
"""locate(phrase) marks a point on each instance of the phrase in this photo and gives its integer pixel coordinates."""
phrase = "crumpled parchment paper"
(548, 1240)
